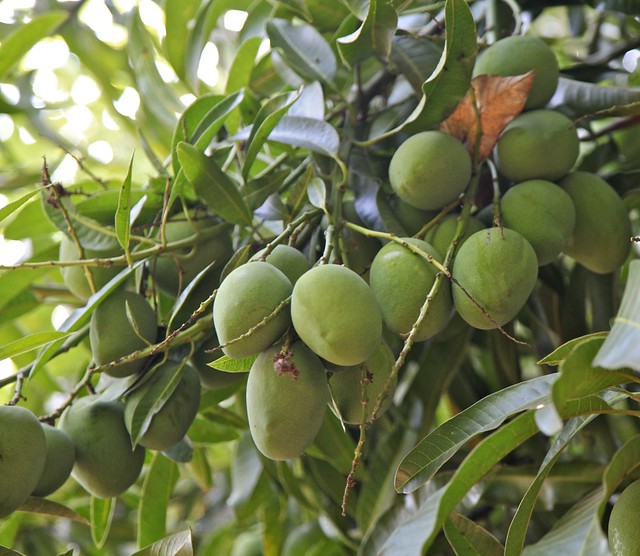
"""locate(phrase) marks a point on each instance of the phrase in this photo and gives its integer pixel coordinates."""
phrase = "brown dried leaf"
(498, 100)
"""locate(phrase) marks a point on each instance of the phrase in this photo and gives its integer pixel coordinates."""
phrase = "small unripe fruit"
(412, 219)
(287, 397)
(171, 422)
(61, 455)
(401, 281)
(336, 314)
(106, 465)
(23, 451)
(113, 336)
(74, 277)
(441, 235)
(541, 144)
(249, 294)
(518, 55)
(623, 522)
(291, 262)
(347, 385)
(430, 169)
(499, 269)
(601, 237)
(543, 213)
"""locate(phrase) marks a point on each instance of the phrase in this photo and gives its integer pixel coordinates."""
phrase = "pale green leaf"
(317, 193)
(123, 213)
(11, 207)
(559, 354)
(580, 98)
(32, 341)
(179, 544)
(230, 365)
(102, 511)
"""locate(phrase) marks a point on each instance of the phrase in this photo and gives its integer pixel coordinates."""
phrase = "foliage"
(511, 440)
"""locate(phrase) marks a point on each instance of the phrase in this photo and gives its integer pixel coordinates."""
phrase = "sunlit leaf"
(32, 341)
(179, 544)
(181, 15)
(559, 354)
(229, 365)
(123, 214)
(11, 207)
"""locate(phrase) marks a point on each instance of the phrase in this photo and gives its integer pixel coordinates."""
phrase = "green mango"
(287, 396)
(61, 455)
(106, 464)
(171, 422)
(287, 259)
(23, 452)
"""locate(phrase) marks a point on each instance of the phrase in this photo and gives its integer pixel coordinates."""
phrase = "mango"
(623, 522)
(61, 455)
(287, 259)
(441, 235)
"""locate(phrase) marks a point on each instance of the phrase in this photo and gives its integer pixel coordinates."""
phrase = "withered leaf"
(498, 100)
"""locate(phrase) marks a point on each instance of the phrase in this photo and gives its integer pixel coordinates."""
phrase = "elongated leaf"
(304, 49)
(180, 15)
(579, 98)
(20, 41)
(156, 493)
(245, 473)
(373, 36)
(213, 185)
(433, 451)
(416, 534)
(240, 70)
(11, 207)
(229, 365)
(123, 214)
(4, 551)
(559, 354)
(266, 120)
(179, 544)
(416, 58)
(317, 193)
(102, 510)
(308, 133)
(32, 341)
(622, 346)
(469, 539)
(310, 103)
(43, 506)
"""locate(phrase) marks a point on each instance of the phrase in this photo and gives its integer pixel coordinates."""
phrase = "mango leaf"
(310, 103)
(176, 43)
(20, 41)
(4, 551)
(11, 207)
(156, 492)
(317, 193)
(123, 214)
(416, 58)
(559, 354)
(32, 341)
(43, 506)
(102, 510)
(433, 451)
(450, 81)
(214, 187)
(622, 346)
(229, 365)
(270, 113)
(245, 472)
(179, 544)
(416, 534)
(308, 133)
(578, 98)
(470, 539)
(240, 257)
(243, 62)
(374, 35)
(304, 49)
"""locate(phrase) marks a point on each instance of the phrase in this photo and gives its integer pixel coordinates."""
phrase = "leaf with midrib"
(178, 544)
(214, 187)
(470, 539)
(229, 365)
(419, 465)
(32, 341)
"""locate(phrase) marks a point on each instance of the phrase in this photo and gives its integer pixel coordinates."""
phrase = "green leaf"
(11, 207)
(180, 16)
(20, 41)
(43, 506)
(102, 511)
(304, 49)
(243, 63)
(579, 98)
(416, 58)
(214, 187)
(240, 257)
(622, 346)
(156, 492)
(179, 544)
(415, 535)
(229, 365)
(245, 472)
(308, 133)
(559, 354)
(4, 551)
(374, 36)
(317, 193)
(470, 539)
(123, 213)
(421, 464)
(32, 341)
(270, 113)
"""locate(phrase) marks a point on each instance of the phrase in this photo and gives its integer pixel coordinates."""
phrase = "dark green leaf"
(43, 506)
(102, 511)
(470, 539)
(304, 49)
(416, 58)
(579, 98)
(213, 185)
(558, 355)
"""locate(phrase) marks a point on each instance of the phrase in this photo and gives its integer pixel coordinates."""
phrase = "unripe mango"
(441, 235)
(336, 314)
(601, 237)
(499, 269)
(249, 294)
(113, 336)
(623, 522)
(287, 397)
(106, 465)
(291, 262)
(23, 451)
(61, 455)
(347, 385)
(171, 422)
(541, 144)
(430, 169)
(543, 213)
(401, 281)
